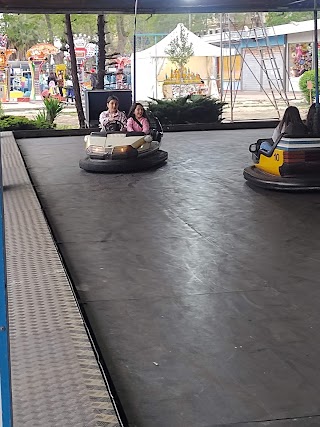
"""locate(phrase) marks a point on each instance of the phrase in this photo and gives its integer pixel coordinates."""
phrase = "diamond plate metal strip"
(56, 381)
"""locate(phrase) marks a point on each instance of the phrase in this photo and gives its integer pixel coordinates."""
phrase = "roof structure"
(277, 30)
(153, 6)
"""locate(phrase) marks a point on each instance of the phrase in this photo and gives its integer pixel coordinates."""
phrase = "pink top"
(132, 125)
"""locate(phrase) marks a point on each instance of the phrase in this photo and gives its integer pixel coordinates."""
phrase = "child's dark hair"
(312, 120)
(291, 115)
(133, 107)
(112, 98)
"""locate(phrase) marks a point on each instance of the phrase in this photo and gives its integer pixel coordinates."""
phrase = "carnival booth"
(158, 77)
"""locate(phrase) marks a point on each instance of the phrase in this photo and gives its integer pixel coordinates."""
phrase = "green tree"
(148, 26)
(122, 33)
(81, 23)
(23, 31)
(280, 18)
(180, 51)
(303, 84)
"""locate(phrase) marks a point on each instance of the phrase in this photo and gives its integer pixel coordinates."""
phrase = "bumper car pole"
(135, 51)
(316, 68)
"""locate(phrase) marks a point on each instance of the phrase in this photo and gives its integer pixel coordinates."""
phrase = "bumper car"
(291, 164)
(115, 151)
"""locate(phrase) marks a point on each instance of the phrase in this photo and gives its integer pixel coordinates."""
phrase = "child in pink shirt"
(137, 121)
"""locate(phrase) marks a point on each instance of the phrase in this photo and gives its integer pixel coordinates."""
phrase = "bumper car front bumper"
(262, 179)
(122, 165)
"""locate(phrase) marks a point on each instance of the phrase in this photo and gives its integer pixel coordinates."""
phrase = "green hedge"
(20, 123)
(189, 109)
(308, 75)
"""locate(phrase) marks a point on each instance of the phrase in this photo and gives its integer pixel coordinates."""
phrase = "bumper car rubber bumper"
(140, 163)
(265, 180)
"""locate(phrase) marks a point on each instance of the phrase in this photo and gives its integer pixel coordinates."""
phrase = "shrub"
(42, 122)
(53, 108)
(21, 123)
(46, 117)
(16, 123)
(308, 75)
(188, 109)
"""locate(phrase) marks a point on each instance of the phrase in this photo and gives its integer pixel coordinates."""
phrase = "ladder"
(249, 35)
(268, 61)
(265, 56)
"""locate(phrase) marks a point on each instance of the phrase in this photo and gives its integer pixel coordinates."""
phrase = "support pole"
(316, 56)
(221, 57)
(316, 69)
(230, 70)
(135, 52)
(156, 70)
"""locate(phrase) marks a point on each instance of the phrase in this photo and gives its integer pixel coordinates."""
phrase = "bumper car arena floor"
(202, 292)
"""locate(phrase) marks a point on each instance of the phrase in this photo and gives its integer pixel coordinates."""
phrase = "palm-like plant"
(46, 117)
(53, 108)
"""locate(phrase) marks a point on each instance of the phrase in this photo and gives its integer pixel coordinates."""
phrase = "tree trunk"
(50, 36)
(101, 51)
(122, 35)
(74, 74)
(58, 58)
(180, 87)
(109, 41)
(49, 25)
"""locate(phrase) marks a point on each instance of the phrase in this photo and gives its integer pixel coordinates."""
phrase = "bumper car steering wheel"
(114, 126)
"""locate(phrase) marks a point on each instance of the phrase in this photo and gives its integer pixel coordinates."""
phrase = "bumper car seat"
(156, 130)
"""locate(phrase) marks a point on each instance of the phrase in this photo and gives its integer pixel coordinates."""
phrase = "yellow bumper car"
(291, 163)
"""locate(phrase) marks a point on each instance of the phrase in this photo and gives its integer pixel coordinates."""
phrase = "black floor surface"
(202, 292)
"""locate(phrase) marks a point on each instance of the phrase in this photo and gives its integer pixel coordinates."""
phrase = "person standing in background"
(60, 83)
(52, 83)
(93, 79)
(42, 82)
(70, 91)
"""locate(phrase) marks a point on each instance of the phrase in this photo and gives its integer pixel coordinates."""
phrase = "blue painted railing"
(5, 377)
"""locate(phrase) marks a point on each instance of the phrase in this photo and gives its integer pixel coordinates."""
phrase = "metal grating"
(56, 381)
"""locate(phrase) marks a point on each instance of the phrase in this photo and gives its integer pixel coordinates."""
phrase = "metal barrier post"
(5, 377)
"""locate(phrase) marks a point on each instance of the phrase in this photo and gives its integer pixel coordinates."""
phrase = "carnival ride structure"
(37, 56)
(5, 54)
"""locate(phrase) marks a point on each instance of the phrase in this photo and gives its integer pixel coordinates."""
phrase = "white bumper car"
(118, 152)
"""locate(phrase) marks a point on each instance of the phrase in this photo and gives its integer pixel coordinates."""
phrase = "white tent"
(153, 64)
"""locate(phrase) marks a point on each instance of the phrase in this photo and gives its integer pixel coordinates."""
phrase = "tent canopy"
(152, 6)
(200, 47)
(153, 66)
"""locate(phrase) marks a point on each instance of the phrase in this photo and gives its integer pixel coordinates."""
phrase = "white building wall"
(305, 37)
